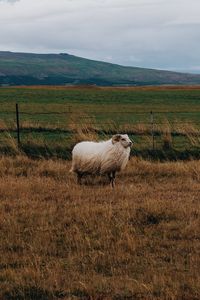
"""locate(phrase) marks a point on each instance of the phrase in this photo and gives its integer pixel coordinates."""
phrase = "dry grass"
(63, 241)
(87, 124)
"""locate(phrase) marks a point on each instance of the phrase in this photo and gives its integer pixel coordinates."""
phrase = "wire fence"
(142, 123)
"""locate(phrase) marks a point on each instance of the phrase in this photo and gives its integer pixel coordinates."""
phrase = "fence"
(148, 124)
(64, 113)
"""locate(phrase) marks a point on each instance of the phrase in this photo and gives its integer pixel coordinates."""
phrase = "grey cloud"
(10, 1)
(156, 34)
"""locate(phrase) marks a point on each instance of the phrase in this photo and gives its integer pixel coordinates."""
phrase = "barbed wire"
(100, 112)
(112, 125)
(83, 119)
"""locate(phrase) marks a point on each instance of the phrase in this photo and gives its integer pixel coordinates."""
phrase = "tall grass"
(172, 140)
(8, 144)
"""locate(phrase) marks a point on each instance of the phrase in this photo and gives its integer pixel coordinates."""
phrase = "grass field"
(63, 241)
(175, 100)
(53, 118)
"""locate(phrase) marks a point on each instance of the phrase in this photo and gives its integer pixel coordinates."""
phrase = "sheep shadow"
(95, 180)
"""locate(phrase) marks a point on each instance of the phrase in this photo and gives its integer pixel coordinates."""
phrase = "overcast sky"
(162, 34)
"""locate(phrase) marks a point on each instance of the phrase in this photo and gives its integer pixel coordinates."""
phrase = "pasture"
(53, 118)
(62, 241)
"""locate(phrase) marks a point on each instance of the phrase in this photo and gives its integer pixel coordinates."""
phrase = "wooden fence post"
(18, 127)
(152, 130)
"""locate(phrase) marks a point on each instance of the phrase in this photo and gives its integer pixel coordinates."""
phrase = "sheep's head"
(123, 139)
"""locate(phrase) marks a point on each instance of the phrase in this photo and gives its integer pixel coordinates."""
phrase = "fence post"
(18, 128)
(152, 130)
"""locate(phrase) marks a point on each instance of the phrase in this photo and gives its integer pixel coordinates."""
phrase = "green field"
(50, 117)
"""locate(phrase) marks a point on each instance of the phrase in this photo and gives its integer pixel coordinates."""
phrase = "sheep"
(106, 157)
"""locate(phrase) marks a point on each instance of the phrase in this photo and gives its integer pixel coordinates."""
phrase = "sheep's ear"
(116, 138)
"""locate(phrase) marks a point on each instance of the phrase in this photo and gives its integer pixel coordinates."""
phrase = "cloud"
(147, 33)
(10, 1)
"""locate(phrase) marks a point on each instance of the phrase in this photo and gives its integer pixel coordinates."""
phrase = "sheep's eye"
(123, 139)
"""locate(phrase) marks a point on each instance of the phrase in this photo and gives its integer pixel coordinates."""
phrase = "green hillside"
(61, 69)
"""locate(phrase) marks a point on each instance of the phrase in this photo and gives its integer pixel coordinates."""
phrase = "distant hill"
(61, 69)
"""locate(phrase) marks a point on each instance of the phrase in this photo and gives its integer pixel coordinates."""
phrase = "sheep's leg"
(79, 177)
(112, 179)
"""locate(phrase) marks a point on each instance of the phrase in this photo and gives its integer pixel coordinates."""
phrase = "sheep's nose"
(130, 143)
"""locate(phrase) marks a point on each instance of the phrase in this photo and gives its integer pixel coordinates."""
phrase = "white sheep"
(105, 157)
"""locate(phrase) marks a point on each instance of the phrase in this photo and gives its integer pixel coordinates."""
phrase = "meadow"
(52, 119)
(60, 240)
(64, 241)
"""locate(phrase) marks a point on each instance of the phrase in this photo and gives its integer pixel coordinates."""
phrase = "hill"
(65, 69)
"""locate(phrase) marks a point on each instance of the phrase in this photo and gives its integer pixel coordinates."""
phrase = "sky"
(160, 34)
